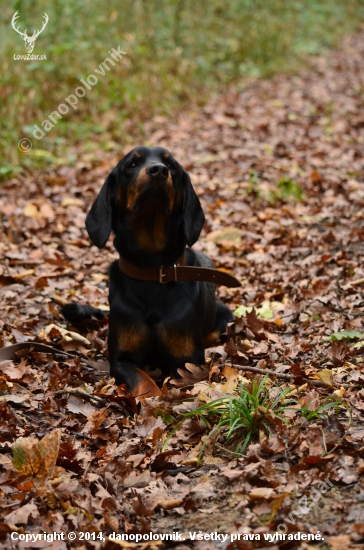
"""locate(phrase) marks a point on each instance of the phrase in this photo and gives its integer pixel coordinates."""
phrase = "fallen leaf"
(326, 376)
(190, 375)
(68, 336)
(31, 211)
(24, 274)
(47, 211)
(261, 493)
(340, 542)
(134, 479)
(71, 201)
(203, 490)
(21, 515)
(36, 458)
(170, 504)
(95, 420)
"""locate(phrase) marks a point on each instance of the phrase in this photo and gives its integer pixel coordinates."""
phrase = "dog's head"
(146, 190)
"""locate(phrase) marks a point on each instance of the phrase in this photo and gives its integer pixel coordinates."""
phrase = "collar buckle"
(163, 275)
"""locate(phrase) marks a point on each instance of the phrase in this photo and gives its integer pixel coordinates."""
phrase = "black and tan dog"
(163, 310)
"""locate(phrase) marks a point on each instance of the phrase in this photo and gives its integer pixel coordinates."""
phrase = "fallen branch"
(82, 394)
(284, 376)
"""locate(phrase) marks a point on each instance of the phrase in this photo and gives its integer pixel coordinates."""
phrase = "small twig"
(15, 415)
(16, 503)
(323, 440)
(280, 375)
(82, 394)
(225, 450)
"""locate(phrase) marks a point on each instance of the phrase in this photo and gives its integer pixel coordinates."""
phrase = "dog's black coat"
(151, 207)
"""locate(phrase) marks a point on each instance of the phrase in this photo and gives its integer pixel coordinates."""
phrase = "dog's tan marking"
(171, 192)
(132, 338)
(178, 344)
(150, 230)
(153, 238)
(133, 189)
(211, 338)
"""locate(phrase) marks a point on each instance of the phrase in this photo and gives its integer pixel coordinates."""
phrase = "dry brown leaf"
(112, 522)
(18, 399)
(340, 542)
(276, 504)
(140, 507)
(231, 374)
(137, 480)
(78, 406)
(47, 211)
(190, 375)
(203, 490)
(72, 201)
(170, 504)
(68, 335)
(24, 274)
(37, 458)
(31, 211)
(95, 420)
(272, 444)
(326, 376)
(261, 493)
(21, 515)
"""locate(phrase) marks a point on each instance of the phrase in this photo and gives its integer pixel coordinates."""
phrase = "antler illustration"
(29, 40)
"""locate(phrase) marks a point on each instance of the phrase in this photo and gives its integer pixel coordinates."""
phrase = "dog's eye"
(170, 166)
(133, 164)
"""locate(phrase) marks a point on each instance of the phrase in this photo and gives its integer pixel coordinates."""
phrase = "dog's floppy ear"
(193, 216)
(98, 220)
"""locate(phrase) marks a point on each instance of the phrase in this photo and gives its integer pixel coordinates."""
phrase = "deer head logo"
(29, 40)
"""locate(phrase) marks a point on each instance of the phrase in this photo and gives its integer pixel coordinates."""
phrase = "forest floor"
(279, 169)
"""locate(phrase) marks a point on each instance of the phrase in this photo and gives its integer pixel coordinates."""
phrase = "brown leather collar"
(177, 272)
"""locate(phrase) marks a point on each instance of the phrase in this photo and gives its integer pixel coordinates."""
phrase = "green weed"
(350, 334)
(320, 412)
(286, 189)
(241, 415)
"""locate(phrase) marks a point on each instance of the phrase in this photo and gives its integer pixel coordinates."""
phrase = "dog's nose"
(158, 171)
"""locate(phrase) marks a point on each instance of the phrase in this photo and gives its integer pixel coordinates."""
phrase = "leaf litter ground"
(278, 166)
